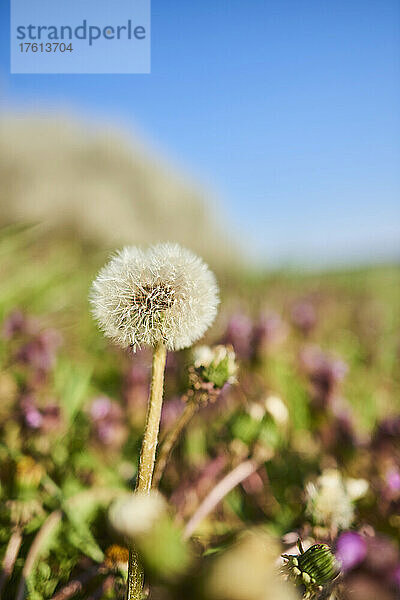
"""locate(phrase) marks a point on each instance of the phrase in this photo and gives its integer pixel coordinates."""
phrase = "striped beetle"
(314, 568)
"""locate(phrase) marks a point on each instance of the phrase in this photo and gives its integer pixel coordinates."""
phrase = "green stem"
(147, 459)
(169, 441)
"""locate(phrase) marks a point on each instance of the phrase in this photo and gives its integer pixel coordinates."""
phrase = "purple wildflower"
(33, 418)
(239, 333)
(393, 481)
(100, 408)
(107, 421)
(325, 373)
(16, 323)
(303, 316)
(351, 550)
(45, 419)
(39, 353)
(269, 331)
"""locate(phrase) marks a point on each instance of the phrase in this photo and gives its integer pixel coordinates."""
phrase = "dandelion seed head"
(162, 294)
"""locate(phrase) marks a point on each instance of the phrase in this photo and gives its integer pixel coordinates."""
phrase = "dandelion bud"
(163, 294)
(216, 365)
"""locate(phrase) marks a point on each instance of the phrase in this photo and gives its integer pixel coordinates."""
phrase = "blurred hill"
(105, 187)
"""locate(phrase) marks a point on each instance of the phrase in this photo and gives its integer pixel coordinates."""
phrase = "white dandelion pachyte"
(162, 294)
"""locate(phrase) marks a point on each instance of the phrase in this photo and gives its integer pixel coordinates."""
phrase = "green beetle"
(315, 568)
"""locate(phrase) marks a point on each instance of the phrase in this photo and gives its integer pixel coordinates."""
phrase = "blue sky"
(288, 110)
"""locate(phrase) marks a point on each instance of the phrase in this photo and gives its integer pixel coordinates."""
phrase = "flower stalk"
(147, 458)
(164, 297)
(150, 438)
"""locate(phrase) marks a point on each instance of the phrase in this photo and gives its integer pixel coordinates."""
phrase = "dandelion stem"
(147, 458)
(135, 577)
(170, 439)
(149, 444)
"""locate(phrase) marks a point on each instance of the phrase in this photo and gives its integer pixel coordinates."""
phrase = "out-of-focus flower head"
(330, 499)
(107, 421)
(31, 415)
(325, 373)
(17, 323)
(304, 316)
(351, 549)
(239, 334)
(40, 353)
(370, 565)
(162, 294)
(46, 418)
(392, 481)
(269, 331)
